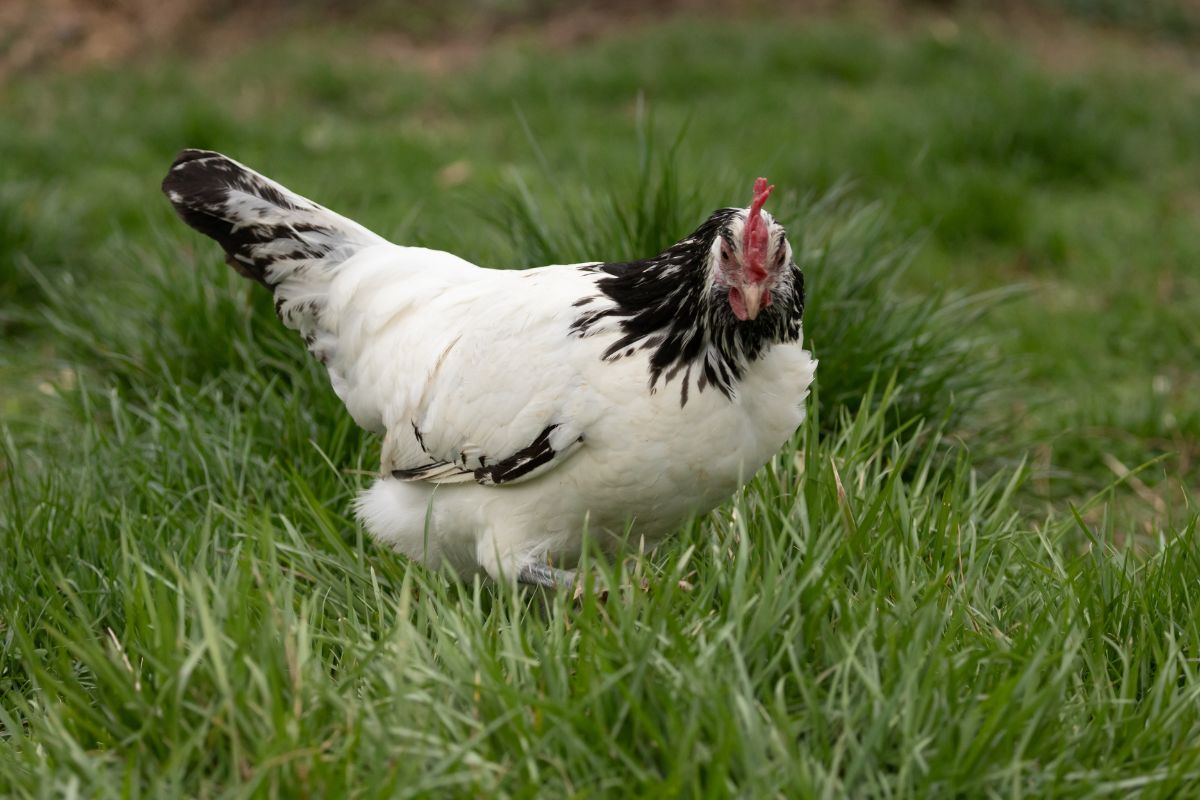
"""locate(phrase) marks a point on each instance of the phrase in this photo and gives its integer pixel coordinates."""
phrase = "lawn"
(974, 572)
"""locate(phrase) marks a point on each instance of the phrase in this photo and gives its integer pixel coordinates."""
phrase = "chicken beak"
(752, 296)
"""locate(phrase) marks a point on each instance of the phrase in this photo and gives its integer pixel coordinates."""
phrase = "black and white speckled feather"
(527, 462)
(668, 309)
(284, 241)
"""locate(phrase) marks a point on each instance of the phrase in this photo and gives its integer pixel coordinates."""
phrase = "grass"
(1175, 19)
(947, 585)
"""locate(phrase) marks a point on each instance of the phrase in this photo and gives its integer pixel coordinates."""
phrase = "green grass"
(940, 588)
(1174, 19)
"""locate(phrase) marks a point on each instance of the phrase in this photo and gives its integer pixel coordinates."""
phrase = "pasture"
(975, 571)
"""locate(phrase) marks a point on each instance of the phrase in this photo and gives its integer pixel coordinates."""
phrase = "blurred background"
(89, 32)
(1027, 170)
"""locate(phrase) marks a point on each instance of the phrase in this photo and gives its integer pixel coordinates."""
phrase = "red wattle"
(738, 303)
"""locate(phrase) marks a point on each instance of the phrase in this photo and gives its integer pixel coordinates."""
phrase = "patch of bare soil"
(36, 33)
(70, 34)
(436, 35)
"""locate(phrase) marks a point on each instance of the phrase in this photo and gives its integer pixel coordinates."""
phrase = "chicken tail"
(284, 241)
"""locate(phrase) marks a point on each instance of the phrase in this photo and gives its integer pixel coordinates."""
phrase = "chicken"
(523, 410)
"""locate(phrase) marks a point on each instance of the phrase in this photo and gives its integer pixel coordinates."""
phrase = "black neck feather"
(666, 306)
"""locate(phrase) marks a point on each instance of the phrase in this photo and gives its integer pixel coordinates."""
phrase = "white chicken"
(521, 410)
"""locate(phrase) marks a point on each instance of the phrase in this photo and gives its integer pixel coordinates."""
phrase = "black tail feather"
(269, 234)
(217, 196)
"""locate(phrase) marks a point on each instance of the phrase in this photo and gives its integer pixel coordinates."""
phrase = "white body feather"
(482, 360)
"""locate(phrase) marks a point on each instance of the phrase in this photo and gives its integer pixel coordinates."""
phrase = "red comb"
(755, 245)
(761, 192)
